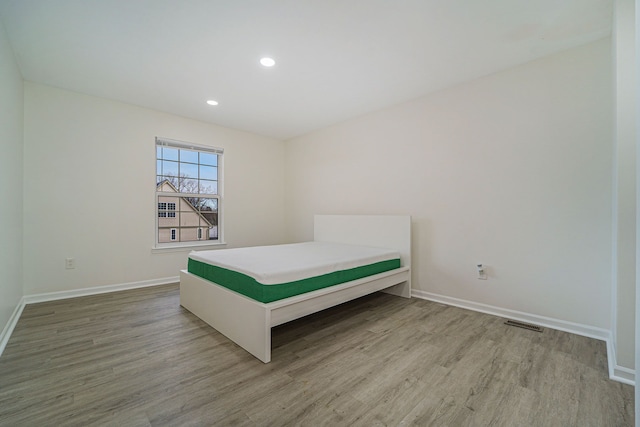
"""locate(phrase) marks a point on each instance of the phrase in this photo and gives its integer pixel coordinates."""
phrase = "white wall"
(624, 185)
(636, 91)
(513, 170)
(11, 138)
(89, 187)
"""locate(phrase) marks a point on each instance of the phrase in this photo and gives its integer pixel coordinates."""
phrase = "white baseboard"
(617, 373)
(74, 293)
(11, 324)
(624, 375)
(53, 296)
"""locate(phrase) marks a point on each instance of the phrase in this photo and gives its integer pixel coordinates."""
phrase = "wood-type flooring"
(136, 358)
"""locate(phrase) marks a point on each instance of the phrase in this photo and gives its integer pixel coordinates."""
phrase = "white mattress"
(287, 263)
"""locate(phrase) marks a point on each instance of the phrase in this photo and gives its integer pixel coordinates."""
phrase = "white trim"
(611, 356)
(561, 325)
(221, 201)
(74, 293)
(624, 375)
(617, 373)
(197, 246)
(173, 143)
(11, 324)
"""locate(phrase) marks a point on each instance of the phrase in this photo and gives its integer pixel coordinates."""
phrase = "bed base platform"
(248, 322)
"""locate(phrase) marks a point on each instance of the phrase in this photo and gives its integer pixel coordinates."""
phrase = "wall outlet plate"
(482, 271)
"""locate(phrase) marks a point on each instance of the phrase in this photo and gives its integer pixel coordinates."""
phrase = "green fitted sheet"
(250, 287)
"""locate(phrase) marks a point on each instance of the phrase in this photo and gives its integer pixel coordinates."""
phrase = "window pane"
(208, 172)
(189, 185)
(169, 153)
(158, 152)
(209, 159)
(189, 218)
(164, 200)
(213, 233)
(189, 156)
(186, 204)
(172, 180)
(188, 170)
(208, 204)
(170, 168)
(208, 187)
(192, 204)
(209, 217)
(164, 235)
(166, 219)
(159, 167)
(167, 212)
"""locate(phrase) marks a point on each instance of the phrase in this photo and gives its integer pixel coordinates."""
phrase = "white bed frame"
(248, 322)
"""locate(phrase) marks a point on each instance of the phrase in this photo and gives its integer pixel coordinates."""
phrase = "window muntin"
(188, 193)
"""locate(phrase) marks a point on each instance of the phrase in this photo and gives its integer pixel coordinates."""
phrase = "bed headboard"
(385, 231)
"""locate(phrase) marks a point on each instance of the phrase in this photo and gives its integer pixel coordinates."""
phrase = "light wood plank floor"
(137, 358)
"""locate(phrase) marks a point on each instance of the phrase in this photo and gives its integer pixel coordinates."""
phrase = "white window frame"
(161, 247)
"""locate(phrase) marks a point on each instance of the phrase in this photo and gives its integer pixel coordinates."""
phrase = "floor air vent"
(523, 325)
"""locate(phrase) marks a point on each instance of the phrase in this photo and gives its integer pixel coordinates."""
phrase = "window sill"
(186, 247)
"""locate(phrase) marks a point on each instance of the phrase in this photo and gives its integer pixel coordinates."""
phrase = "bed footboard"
(243, 320)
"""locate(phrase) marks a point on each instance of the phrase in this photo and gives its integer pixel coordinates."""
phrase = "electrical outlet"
(482, 271)
(70, 263)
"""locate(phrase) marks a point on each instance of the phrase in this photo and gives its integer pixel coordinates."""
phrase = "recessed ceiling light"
(267, 62)
(212, 102)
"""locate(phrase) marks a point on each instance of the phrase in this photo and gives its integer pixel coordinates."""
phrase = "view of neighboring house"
(180, 221)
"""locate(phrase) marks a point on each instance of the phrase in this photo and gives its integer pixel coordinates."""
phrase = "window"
(166, 210)
(171, 210)
(188, 196)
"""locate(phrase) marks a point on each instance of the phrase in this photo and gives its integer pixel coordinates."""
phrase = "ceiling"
(336, 59)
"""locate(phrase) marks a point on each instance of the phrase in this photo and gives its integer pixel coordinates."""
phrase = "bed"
(247, 320)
